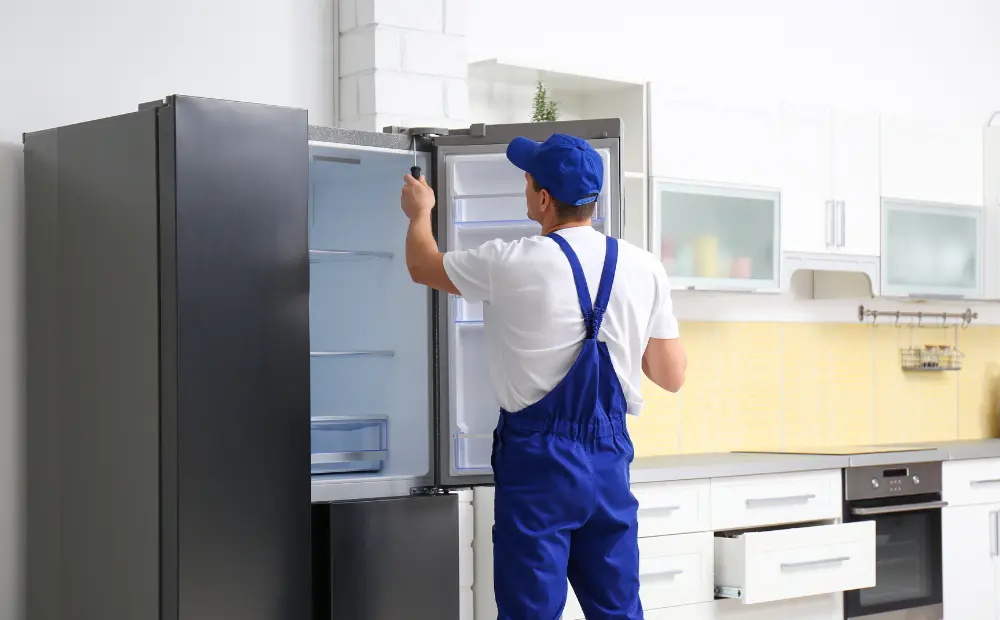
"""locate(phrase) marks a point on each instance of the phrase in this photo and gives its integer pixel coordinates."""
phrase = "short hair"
(567, 212)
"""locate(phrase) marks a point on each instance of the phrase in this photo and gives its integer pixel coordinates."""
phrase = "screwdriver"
(415, 169)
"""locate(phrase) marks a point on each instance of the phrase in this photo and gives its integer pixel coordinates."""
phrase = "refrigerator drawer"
(388, 559)
(758, 567)
(348, 444)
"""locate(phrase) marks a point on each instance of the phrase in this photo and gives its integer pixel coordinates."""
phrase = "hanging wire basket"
(931, 358)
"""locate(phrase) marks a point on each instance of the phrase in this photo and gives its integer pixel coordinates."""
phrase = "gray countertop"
(963, 449)
(726, 464)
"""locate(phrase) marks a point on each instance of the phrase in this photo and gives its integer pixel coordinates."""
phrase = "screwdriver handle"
(415, 172)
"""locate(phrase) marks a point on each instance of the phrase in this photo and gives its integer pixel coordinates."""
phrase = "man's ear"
(545, 202)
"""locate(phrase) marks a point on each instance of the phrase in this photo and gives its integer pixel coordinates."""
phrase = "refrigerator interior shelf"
(330, 458)
(487, 196)
(316, 255)
(508, 223)
(350, 353)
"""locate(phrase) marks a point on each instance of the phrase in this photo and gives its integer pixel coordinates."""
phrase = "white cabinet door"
(931, 250)
(722, 143)
(932, 161)
(969, 562)
(714, 237)
(856, 186)
(830, 181)
(807, 209)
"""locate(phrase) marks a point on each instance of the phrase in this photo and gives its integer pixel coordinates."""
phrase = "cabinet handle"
(779, 500)
(994, 534)
(976, 483)
(843, 222)
(831, 234)
(811, 563)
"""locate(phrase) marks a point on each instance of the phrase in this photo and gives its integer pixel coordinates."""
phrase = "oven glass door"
(907, 556)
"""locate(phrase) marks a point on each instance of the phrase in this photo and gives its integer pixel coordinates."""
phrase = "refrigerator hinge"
(426, 133)
(152, 105)
(422, 491)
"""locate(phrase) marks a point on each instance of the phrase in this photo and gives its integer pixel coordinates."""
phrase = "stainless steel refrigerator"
(221, 328)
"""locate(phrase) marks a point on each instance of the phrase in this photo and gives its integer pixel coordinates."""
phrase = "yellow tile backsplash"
(787, 385)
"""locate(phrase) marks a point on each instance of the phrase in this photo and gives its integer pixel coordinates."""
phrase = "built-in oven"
(905, 503)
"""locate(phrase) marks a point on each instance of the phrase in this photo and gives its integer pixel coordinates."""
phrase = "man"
(565, 366)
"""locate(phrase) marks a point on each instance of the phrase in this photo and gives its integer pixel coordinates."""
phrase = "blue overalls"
(563, 504)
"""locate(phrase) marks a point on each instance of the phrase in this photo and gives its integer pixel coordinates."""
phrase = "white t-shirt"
(533, 324)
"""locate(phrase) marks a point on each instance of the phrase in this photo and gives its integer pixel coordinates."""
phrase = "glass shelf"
(341, 444)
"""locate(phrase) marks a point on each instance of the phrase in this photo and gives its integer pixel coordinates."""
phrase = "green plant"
(545, 109)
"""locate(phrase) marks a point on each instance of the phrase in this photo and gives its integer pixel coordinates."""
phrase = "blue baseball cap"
(568, 167)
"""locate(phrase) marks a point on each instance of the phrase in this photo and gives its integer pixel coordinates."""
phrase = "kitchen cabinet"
(932, 160)
(691, 140)
(830, 181)
(971, 561)
(970, 539)
(991, 206)
(931, 250)
(714, 237)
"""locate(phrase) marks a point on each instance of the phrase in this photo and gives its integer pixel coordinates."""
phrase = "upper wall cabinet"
(695, 141)
(716, 237)
(830, 181)
(931, 250)
(932, 161)
(714, 174)
(991, 200)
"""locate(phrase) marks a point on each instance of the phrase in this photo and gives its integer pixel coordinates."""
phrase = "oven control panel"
(890, 480)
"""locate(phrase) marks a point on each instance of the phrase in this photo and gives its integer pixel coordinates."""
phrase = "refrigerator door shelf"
(475, 407)
(473, 452)
(341, 444)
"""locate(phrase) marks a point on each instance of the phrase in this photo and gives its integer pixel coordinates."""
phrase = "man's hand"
(417, 198)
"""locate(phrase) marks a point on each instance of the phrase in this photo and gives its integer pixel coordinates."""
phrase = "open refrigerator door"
(481, 198)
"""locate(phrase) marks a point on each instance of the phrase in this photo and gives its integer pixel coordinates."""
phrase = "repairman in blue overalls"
(566, 368)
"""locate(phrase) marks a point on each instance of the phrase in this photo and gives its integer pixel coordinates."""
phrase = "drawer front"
(750, 501)
(798, 562)
(702, 611)
(976, 481)
(673, 507)
(673, 570)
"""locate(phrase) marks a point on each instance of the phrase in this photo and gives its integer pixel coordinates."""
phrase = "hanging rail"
(966, 317)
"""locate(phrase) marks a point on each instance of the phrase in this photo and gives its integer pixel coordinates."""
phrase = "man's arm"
(423, 259)
(665, 363)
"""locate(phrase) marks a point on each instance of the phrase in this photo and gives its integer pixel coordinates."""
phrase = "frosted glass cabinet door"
(716, 238)
(931, 250)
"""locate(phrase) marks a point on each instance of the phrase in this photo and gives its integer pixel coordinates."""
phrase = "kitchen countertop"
(725, 464)
(963, 449)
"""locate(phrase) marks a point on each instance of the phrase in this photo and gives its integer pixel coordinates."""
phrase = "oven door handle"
(886, 510)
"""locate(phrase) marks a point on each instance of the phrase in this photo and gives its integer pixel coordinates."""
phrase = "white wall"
(66, 61)
(909, 56)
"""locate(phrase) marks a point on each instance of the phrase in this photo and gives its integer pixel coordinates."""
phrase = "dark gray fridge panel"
(92, 370)
(388, 559)
(236, 380)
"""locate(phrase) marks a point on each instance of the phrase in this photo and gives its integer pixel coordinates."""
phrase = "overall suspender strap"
(593, 313)
(607, 281)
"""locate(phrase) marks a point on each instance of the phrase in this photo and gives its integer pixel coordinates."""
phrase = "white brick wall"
(402, 62)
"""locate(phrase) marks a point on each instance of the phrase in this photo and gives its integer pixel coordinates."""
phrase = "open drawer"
(673, 570)
(779, 564)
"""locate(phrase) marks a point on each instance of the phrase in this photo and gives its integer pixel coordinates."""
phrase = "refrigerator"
(239, 404)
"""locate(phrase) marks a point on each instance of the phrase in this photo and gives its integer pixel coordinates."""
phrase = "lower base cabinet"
(678, 575)
(970, 562)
